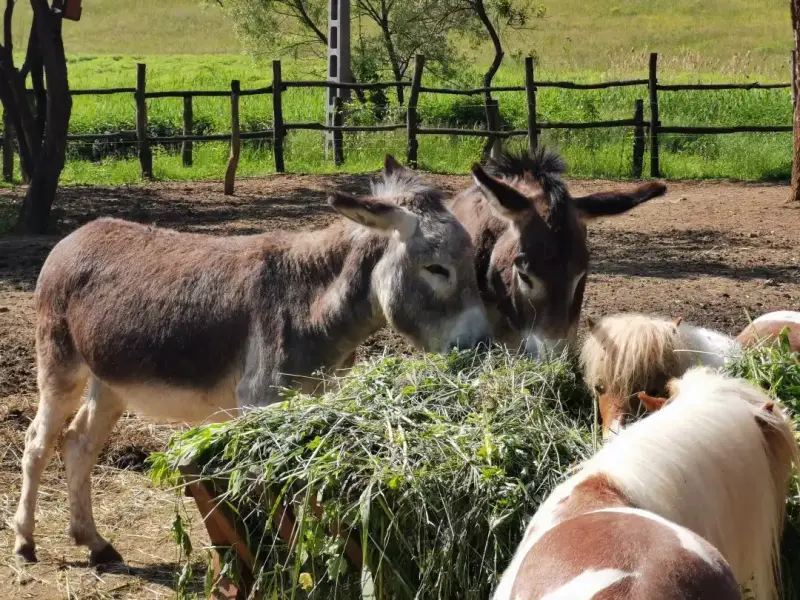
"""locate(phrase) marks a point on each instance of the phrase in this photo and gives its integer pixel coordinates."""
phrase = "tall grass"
(592, 153)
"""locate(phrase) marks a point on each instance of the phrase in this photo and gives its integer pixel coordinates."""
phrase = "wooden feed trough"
(226, 530)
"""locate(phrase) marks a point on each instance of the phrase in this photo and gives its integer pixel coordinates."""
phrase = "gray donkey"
(188, 327)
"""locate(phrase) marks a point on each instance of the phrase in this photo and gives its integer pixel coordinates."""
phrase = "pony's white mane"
(625, 352)
(716, 461)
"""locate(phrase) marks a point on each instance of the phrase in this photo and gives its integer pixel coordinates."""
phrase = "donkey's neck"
(706, 346)
(340, 307)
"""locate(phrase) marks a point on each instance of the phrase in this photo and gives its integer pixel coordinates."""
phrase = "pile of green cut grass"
(434, 464)
(776, 368)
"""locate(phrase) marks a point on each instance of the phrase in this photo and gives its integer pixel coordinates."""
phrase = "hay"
(434, 463)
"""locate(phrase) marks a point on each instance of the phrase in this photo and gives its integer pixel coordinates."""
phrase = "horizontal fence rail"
(644, 131)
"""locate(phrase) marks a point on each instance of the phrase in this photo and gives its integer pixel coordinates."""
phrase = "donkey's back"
(142, 304)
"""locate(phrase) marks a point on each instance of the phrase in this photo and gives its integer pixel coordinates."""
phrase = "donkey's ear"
(504, 200)
(651, 403)
(605, 204)
(391, 165)
(375, 214)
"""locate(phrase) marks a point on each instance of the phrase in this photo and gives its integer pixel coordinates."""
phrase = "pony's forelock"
(623, 351)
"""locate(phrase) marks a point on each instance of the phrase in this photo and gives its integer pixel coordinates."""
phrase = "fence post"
(236, 143)
(411, 113)
(338, 136)
(638, 138)
(794, 77)
(654, 122)
(494, 124)
(530, 90)
(277, 112)
(145, 154)
(8, 148)
(188, 126)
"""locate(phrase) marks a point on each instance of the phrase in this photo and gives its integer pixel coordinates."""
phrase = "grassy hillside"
(189, 44)
(735, 36)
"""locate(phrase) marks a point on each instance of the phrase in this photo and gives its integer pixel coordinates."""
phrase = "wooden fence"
(643, 129)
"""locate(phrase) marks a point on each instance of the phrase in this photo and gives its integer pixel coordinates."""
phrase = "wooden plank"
(654, 122)
(94, 92)
(347, 86)
(8, 148)
(411, 113)
(471, 132)
(188, 125)
(530, 91)
(90, 137)
(182, 93)
(338, 134)
(723, 86)
(638, 139)
(795, 13)
(277, 112)
(344, 128)
(214, 137)
(145, 154)
(569, 85)
(473, 91)
(736, 129)
(220, 523)
(236, 143)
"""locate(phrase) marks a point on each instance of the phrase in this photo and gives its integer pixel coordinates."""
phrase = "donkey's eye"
(599, 389)
(525, 279)
(438, 270)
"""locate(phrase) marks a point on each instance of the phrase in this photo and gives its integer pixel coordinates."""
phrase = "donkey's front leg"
(83, 441)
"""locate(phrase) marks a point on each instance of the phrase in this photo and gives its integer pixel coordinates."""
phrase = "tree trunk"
(35, 210)
(488, 77)
(795, 5)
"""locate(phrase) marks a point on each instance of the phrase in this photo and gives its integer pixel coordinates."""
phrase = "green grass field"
(720, 41)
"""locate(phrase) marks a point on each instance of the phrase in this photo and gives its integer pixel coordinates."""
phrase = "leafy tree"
(386, 33)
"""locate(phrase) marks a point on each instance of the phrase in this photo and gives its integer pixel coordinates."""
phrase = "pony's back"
(716, 460)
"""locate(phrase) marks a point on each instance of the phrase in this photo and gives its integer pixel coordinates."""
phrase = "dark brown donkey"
(187, 327)
(530, 239)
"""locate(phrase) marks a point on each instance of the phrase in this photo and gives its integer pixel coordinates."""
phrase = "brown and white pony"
(185, 327)
(530, 235)
(688, 503)
(629, 353)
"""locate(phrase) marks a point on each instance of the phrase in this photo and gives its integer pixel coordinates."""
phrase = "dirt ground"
(710, 252)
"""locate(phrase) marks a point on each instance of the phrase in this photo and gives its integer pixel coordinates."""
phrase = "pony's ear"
(678, 321)
(504, 199)
(375, 214)
(391, 165)
(651, 403)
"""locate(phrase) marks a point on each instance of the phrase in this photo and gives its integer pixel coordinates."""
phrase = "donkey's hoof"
(25, 554)
(107, 554)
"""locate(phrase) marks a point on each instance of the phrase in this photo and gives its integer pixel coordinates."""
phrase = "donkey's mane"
(405, 186)
(544, 165)
(716, 459)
